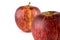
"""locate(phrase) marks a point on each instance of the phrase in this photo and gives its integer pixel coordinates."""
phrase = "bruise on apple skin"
(46, 28)
(24, 16)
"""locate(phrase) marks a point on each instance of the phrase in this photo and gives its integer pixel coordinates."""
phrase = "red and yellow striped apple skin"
(24, 16)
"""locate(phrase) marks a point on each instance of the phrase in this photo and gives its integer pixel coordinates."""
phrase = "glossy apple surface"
(46, 26)
(24, 16)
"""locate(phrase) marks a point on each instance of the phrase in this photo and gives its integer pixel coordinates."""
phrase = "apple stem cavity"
(47, 13)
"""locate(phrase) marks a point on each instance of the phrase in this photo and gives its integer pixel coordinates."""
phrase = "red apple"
(24, 16)
(46, 26)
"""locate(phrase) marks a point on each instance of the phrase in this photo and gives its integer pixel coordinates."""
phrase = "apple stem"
(29, 3)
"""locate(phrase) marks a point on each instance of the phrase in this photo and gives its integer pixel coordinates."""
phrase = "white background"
(8, 27)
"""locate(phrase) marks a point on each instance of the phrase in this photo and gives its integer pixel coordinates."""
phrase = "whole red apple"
(24, 16)
(46, 26)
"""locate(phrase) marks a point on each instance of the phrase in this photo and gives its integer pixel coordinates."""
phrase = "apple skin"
(46, 26)
(24, 16)
(58, 19)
